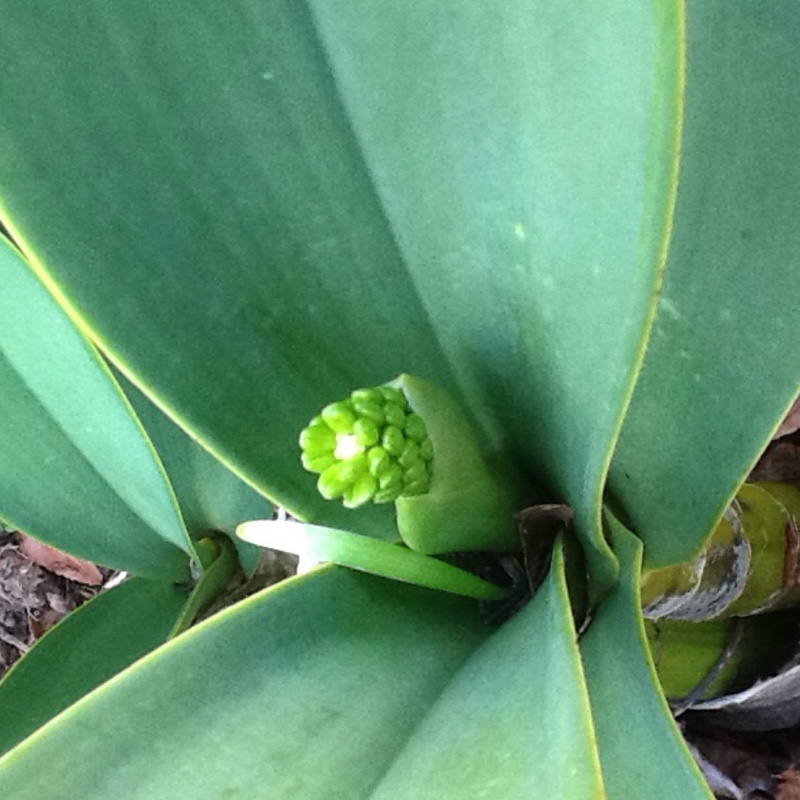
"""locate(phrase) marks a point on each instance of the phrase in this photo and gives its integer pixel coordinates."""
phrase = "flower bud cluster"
(371, 446)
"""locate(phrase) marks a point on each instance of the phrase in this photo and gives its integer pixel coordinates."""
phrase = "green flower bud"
(387, 495)
(361, 492)
(415, 474)
(393, 441)
(415, 428)
(410, 443)
(395, 416)
(317, 463)
(369, 410)
(417, 488)
(379, 461)
(339, 417)
(391, 477)
(368, 396)
(410, 455)
(426, 449)
(366, 432)
(392, 395)
(317, 440)
(363, 448)
(339, 477)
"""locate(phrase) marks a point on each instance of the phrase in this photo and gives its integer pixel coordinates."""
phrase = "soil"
(32, 599)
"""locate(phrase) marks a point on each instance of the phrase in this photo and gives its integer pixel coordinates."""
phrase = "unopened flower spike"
(409, 442)
(371, 446)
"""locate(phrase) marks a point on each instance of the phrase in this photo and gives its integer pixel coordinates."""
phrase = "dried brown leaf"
(769, 705)
(76, 569)
(791, 421)
(789, 785)
(40, 625)
(780, 462)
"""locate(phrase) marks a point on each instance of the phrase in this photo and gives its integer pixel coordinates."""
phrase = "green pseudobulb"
(409, 442)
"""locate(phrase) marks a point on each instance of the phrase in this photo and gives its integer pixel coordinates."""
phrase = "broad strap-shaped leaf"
(514, 723)
(334, 685)
(257, 207)
(307, 690)
(268, 280)
(723, 364)
(210, 496)
(524, 155)
(87, 647)
(76, 469)
(642, 752)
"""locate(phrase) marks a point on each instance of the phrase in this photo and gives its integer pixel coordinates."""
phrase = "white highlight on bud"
(347, 446)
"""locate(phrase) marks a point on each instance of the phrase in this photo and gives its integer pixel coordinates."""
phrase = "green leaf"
(299, 199)
(723, 363)
(76, 470)
(364, 553)
(86, 648)
(307, 690)
(524, 155)
(236, 286)
(210, 496)
(219, 563)
(642, 752)
(514, 722)
(334, 685)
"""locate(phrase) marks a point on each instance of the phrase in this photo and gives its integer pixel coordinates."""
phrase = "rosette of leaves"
(579, 219)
